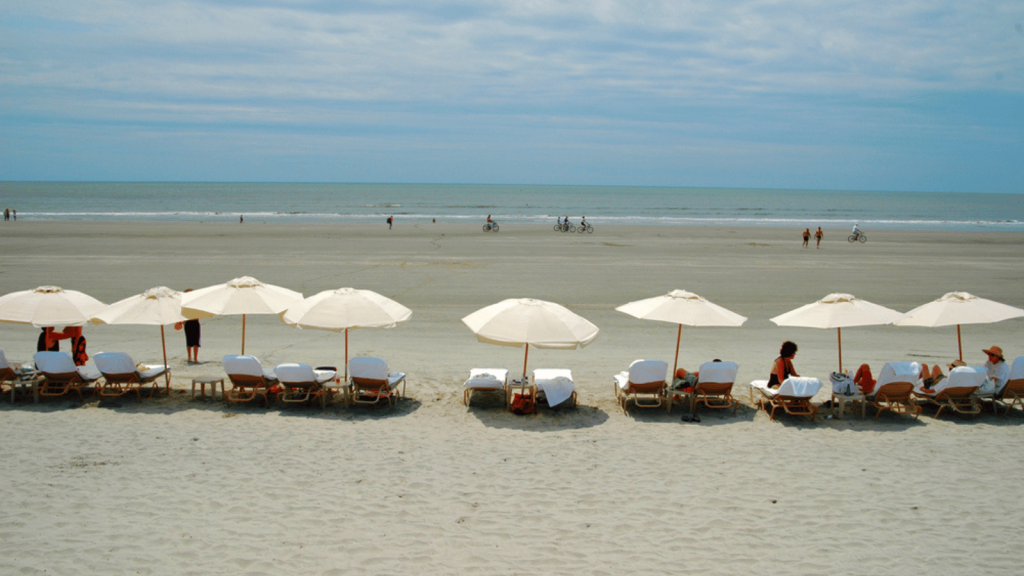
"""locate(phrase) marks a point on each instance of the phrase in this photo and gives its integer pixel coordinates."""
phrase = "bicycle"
(491, 227)
(859, 237)
(585, 228)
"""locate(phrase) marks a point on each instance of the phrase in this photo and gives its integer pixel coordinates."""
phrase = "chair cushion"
(114, 363)
(494, 378)
(723, 372)
(54, 362)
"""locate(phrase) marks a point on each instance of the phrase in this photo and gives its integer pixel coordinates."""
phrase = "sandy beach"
(181, 486)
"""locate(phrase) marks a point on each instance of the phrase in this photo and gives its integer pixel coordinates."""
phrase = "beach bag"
(842, 383)
(522, 404)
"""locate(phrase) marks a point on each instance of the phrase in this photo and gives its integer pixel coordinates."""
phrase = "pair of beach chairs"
(966, 387)
(646, 385)
(114, 374)
(554, 386)
(370, 382)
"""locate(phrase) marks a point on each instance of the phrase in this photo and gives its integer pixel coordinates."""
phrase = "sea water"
(641, 206)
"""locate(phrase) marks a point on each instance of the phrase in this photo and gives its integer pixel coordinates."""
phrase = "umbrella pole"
(167, 374)
(675, 366)
(346, 355)
(243, 334)
(525, 358)
(839, 335)
(959, 344)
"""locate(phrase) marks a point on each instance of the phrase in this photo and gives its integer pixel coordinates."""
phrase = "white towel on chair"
(557, 390)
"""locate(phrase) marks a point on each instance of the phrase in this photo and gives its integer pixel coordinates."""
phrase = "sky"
(848, 95)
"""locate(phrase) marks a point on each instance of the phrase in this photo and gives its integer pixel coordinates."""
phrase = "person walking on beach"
(7, 214)
(14, 214)
(391, 220)
(241, 218)
(818, 234)
(807, 236)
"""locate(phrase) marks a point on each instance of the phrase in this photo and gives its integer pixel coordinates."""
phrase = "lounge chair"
(714, 386)
(372, 382)
(793, 396)
(894, 388)
(1011, 394)
(645, 384)
(8, 377)
(487, 380)
(120, 375)
(301, 383)
(956, 391)
(249, 379)
(556, 385)
(60, 375)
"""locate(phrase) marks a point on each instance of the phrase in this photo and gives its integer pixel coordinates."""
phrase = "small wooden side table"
(212, 381)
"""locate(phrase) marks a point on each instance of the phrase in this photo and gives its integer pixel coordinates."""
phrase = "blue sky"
(915, 95)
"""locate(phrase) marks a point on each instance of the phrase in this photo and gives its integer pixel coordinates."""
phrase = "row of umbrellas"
(513, 322)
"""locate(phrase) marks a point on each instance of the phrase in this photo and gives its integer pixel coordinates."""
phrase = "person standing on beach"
(818, 234)
(241, 218)
(391, 220)
(14, 214)
(193, 334)
(807, 236)
(7, 214)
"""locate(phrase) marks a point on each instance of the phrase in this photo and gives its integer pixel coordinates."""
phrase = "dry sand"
(180, 486)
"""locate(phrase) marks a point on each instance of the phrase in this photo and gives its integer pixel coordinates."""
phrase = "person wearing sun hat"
(998, 369)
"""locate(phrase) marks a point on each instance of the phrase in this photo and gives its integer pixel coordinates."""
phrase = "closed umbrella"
(682, 307)
(344, 309)
(838, 311)
(48, 306)
(529, 322)
(958, 308)
(157, 306)
(244, 295)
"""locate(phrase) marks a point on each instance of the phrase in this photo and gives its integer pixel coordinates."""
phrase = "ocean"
(509, 204)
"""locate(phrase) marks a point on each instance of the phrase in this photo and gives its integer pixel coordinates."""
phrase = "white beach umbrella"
(528, 322)
(838, 311)
(958, 308)
(157, 306)
(244, 295)
(48, 306)
(344, 309)
(682, 307)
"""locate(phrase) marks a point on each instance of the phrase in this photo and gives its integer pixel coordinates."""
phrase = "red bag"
(522, 404)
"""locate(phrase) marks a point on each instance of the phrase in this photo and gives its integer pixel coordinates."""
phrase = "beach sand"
(181, 486)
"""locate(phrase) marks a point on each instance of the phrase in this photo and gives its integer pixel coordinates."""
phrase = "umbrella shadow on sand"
(490, 411)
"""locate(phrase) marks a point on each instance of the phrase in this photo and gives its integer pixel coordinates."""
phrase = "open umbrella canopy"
(528, 322)
(48, 306)
(244, 295)
(157, 306)
(537, 323)
(838, 311)
(344, 309)
(682, 307)
(958, 308)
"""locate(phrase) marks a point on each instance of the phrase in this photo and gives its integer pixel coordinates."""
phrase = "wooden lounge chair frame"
(301, 392)
(505, 391)
(644, 395)
(897, 398)
(959, 399)
(717, 395)
(245, 388)
(792, 405)
(10, 378)
(59, 384)
(115, 385)
(1014, 392)
(372, 391)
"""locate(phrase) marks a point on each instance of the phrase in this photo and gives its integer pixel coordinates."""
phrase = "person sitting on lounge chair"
(864, 380)
(997, 368)
(929, 378)
(782, 368)
(689, 379)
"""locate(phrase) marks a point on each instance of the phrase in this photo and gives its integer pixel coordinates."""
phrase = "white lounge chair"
(714, 386)
(486, 380)
(956, 391)
(1013, 393)
(556, 385)
(249, 379)
(8, 377)
(301, 383)
(120, 375)
(644, 382)
(60, 375)
(371, 381)
(793, 396)
(893, 390)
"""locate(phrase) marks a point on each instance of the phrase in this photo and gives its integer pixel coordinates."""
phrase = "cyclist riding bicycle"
(856, 230)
